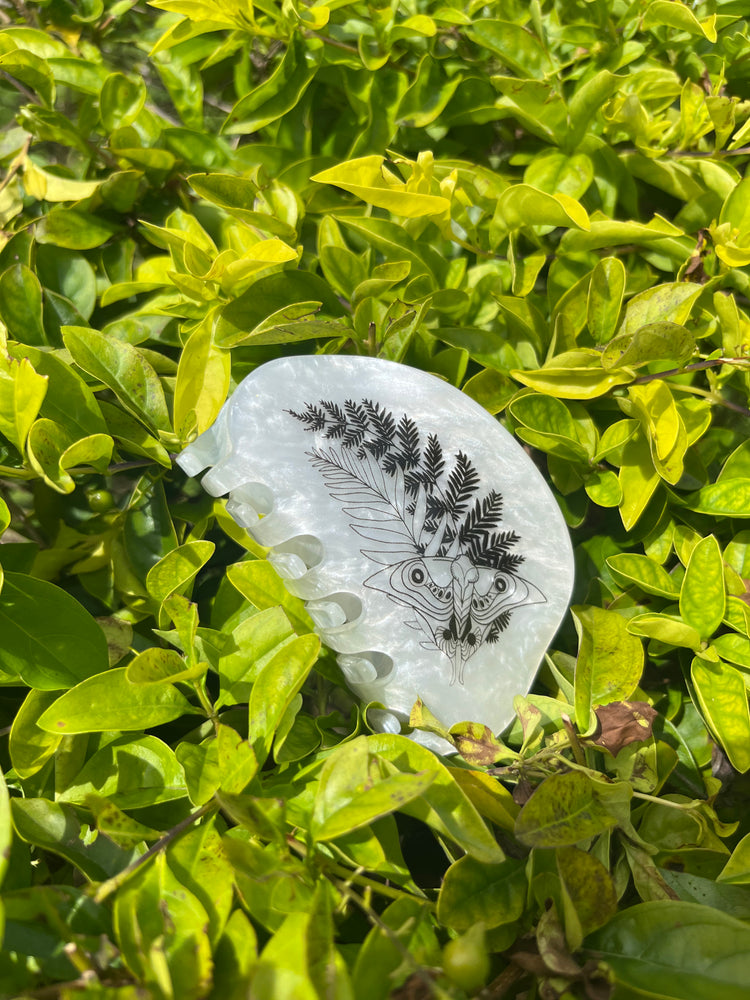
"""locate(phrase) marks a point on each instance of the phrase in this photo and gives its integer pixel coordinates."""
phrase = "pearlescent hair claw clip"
(430, 552)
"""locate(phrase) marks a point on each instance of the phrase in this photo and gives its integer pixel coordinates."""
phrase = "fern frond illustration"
(444, 555)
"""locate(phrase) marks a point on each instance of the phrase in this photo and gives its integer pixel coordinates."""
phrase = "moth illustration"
(429, 552)
(446, 558)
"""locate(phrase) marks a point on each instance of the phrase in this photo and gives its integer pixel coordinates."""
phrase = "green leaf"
(605, 299)
(728, 497)
(51, 651)
(702, 596)
(162, 666)
(255, 641)
(6, 829)
(117, 825)
(354, 791)
(733, 647)
(160, 930)
(586, 101)
(638, 479)
(21, 305)
(200, 765)
(665, 628)
(259, 582)
(74, 229)
(645, 573)
(652, 342)
(428, 95)
(675, 950)
(444, 806)
(53, 452)
(589, 900)
(404, 926)
(737, 870)
(56, 827)
(522, 205)
(278, 94)
(110, 701)
(367, 178)
(198, 861)
(276, 685)
(722, 696)
(68, 400)
(202, 383)
(516, 47)
(22, 391)
(670, 302)
(130, 772)
(132, 436)
(563, 810)
(490, 389)
(121, 100)
(613, 232)
(603, 487)
(176, 569)
(473, 892)
(609, 664)
(124, 369)
(45, 186)
(679, 15)
(31, 70)
(573, 375)
(29, 746)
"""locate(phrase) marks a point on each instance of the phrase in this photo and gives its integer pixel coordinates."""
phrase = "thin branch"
(112, 884)
(697, 366)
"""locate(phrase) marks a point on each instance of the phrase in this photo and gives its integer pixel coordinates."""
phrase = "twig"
(112, 884)
(356, 877)
(573, 740)
(697, 366)
(24, 91)
(395, 940)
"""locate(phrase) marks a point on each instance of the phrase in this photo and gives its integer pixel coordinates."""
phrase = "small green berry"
(465, 960)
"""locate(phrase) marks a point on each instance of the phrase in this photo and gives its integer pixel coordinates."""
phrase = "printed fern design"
(445, 555)
(440, 514)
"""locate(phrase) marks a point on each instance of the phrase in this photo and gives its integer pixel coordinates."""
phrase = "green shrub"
(542, 202)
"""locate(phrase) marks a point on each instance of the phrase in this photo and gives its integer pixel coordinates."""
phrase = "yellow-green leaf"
(702, 597)
(722, 696)
(368, 179)
(609, 664)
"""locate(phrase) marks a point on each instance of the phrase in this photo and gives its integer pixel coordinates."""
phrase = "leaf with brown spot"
(477, 743)
(624, 722)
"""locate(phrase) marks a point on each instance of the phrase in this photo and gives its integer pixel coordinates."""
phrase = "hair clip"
(427, 546)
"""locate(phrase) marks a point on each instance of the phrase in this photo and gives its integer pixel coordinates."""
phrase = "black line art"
(446, 558)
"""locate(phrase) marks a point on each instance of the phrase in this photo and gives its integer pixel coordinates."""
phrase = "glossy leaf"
(6, 828)
(22, 391)
(121, 367)
(564, 810)
(473, 892)
(53, 651)
(121, 100)
(675, 949)
(370, 180)
(702, 596)
(110, 701)
(609, 664)
(21, 305)
(276, 685)
(444, 806)
(353, 792)
(722, 696)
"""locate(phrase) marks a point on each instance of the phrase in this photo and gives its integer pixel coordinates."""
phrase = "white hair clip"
(430, 552)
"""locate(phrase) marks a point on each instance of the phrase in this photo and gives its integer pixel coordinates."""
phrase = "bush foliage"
(541, 201)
